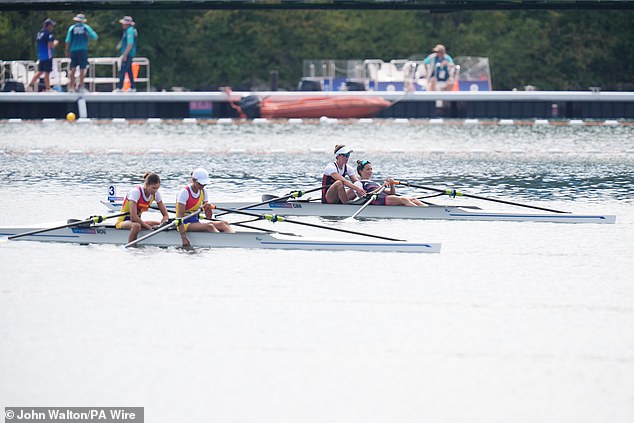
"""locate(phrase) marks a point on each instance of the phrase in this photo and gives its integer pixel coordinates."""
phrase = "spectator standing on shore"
(128, 51)
(440, 70)
(77, 39)
(46, 43)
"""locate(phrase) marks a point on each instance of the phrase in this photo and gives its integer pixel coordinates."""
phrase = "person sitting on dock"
(440, 70)
(191, 198)
(387, 197)
(46, 42)
(334, 182)
(77, 39)
(138, 200)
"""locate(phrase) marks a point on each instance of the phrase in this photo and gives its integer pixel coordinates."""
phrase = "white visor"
(343, 150)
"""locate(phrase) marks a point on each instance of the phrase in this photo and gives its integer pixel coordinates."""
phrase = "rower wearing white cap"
(334, 181)
(191, 198)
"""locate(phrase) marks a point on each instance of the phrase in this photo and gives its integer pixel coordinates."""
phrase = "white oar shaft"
(164, 228)
(367, 203)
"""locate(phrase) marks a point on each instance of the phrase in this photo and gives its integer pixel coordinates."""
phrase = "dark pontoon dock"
(424, 105)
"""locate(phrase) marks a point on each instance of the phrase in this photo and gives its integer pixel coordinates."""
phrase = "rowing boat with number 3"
(107, 234)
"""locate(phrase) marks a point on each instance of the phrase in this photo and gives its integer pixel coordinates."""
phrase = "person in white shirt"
(336, 188)
(191, 198)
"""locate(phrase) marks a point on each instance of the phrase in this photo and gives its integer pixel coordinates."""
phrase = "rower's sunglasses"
(346, 155)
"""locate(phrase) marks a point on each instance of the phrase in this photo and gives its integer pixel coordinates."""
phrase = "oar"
(454, 193)
(91, 219)
(293, 194)
(176, 221)
(276, 218)
(373, 197)
(202, 216)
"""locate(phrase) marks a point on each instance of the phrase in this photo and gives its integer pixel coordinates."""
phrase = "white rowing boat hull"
(102, 234)
(301, 208)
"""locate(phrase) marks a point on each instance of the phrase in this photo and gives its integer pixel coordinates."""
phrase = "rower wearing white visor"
(191, 198)
(336, 188)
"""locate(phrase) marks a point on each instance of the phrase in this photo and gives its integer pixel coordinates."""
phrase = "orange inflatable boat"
(312, 107)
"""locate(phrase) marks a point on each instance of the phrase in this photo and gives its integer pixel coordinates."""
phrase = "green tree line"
(552, 50)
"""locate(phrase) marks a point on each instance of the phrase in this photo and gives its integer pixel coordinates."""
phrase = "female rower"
(191, 198)
(139, 200)
(334, 181)
(388, 196)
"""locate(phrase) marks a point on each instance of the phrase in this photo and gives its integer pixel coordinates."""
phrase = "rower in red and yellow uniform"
(190, 199)
(139, 200)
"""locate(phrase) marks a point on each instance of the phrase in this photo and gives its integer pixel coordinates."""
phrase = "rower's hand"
(186, 242)
(208, 209)
(390, 182)
(360, 191)
(160, 225)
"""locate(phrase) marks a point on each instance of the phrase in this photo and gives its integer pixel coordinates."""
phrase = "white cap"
(343, 150)
(201, 176)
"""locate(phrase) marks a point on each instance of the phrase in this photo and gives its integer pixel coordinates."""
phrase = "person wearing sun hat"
(440, 69)
(77, 38)
(335, 187)
(191, 198)
(128, 51)
(46, 42)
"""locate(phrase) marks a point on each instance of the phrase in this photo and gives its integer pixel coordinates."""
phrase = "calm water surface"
(518, 322)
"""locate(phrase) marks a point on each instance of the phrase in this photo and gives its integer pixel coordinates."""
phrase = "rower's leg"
(134, 228)
(350, 195)
(394, 200)
(222, 226)
(201, 227)
(336, 193)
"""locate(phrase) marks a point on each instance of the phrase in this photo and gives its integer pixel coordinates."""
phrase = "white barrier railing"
(102, 73)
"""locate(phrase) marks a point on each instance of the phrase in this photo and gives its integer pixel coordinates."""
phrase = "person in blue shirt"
(77, 39)
(46, 42)
(440, 69)
(128, 51)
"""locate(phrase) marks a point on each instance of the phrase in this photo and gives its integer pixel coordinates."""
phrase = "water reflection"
(532, 162)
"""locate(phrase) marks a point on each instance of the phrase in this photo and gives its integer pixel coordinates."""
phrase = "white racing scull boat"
(107, 234)
(433, 212)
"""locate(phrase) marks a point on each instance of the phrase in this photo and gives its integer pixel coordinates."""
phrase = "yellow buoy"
(70, 116)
